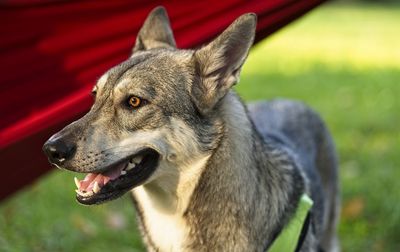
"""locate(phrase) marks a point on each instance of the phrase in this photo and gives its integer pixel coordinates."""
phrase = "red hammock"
(51, 53)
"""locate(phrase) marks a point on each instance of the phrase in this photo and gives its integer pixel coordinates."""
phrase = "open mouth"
(118, 178)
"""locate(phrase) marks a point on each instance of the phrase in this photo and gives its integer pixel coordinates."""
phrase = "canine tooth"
(77, 182)
(137, 159)
(96, 187)
(123, 172)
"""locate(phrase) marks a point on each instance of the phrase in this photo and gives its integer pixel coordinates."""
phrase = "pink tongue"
(115, 172)
(87, 183)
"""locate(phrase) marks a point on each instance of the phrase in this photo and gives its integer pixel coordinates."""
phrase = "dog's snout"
(58, 151)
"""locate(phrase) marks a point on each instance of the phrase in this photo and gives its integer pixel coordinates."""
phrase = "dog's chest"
(166, 231)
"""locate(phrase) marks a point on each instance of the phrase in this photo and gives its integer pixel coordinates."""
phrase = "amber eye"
(134, 101)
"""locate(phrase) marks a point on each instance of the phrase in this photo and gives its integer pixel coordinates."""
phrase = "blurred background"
(343, 59)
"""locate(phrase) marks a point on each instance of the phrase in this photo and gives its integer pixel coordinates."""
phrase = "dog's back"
(296, 127)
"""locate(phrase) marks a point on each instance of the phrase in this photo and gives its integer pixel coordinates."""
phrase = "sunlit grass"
(360, 37)
(343, 60)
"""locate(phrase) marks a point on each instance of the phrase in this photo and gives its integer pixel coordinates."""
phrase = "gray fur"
(155, 32)
(259, 160)
(219, 63)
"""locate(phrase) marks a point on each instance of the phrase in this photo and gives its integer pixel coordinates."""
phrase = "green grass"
(344, 61)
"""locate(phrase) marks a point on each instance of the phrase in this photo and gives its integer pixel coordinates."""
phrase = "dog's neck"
(221, 198)
(161, 205)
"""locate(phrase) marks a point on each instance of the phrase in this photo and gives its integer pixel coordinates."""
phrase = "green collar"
(289, 237)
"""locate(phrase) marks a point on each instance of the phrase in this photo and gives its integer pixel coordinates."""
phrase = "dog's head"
(153, 114)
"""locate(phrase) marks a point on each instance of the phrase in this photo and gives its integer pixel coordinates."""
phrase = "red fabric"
(52, 52)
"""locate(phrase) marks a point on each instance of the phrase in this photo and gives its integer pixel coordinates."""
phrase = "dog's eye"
(135, 102)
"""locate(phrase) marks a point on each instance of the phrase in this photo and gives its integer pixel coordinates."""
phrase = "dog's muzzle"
(107, 182)
(118, 178)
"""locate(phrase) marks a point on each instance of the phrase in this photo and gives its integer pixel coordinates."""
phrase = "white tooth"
(77, 182)
(123, 172)
(130, 167)
(137, 159)
(84, 194)
(80, 192)
(96, 187)
(88, 194)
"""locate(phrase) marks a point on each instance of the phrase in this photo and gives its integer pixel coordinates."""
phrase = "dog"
(205, 171)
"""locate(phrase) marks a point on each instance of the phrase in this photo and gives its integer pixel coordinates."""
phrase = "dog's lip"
(117, 186)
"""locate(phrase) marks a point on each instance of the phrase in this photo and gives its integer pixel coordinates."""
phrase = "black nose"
(58, 151)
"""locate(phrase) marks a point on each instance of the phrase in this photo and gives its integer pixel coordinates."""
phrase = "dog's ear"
(218, 64)
(156, 32)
